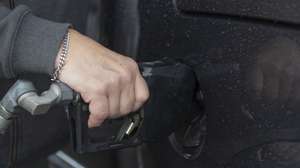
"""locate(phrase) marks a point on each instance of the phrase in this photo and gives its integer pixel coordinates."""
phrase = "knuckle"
(143, 97)
(100, 116)
(115, 80)
(129, 60)
(133, 65)
(101, 88)
(85, 97)
(125, 76)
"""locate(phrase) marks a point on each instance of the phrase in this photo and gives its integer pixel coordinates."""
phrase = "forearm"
(28, 44)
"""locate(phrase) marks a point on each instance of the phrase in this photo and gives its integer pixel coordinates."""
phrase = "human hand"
(109, 82)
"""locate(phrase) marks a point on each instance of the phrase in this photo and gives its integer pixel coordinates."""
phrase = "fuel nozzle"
(24, 95)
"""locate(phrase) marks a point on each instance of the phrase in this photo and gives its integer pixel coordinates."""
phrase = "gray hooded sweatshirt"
(31, 34)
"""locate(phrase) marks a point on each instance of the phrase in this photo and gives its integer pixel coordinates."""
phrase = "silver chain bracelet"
(62, 57)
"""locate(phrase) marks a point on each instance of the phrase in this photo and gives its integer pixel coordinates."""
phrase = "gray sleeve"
(29, 44)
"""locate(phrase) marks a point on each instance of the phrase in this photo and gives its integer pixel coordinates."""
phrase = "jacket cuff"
(37, 45)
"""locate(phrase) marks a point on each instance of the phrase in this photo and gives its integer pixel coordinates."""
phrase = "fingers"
(124, 94)
(141, 92)
(135, 91)
(127, 100)
(114, 94)
(99, 111)
(140, 89)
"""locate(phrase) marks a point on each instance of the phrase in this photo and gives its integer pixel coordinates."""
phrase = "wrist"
(61, 56)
